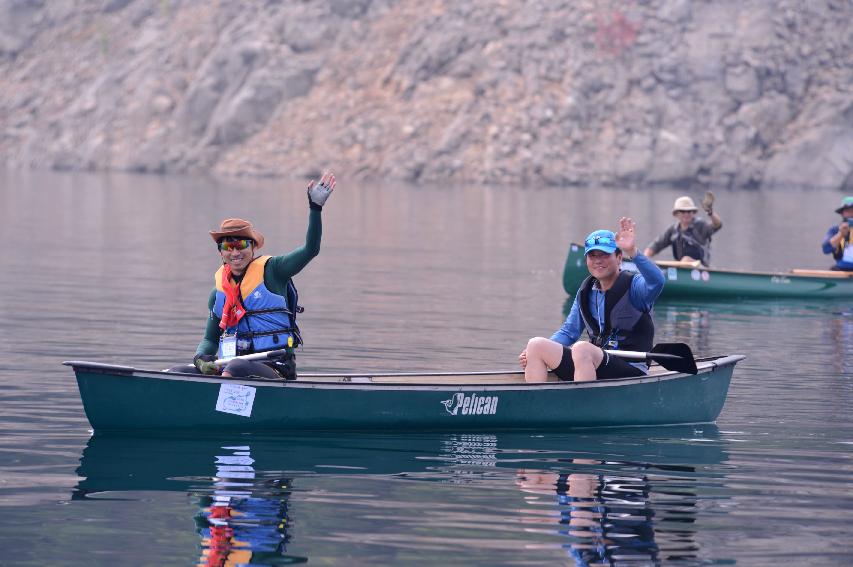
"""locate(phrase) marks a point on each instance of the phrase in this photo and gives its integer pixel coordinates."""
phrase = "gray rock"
(735, 93)
(820, 157)
(673, 160)
(247, 111)
(768, 117)
(18, 25)
(742, 82)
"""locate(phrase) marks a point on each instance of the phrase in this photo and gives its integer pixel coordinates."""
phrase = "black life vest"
(685, 244)
(625, 326)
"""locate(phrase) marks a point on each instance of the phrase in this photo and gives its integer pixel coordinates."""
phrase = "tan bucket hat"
(684, 203)
(237, 228)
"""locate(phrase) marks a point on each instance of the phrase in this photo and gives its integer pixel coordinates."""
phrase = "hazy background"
(730, 93)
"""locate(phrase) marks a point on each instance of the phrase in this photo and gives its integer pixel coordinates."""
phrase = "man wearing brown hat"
(839, 239)
(689, 237)
(253, 304)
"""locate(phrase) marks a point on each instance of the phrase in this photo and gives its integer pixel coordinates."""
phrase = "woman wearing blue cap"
(613, 306)
(839, 239)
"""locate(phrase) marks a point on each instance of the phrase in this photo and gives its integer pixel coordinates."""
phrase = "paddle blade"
(676, 356)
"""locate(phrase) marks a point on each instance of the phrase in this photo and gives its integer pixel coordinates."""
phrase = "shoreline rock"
(727, 94)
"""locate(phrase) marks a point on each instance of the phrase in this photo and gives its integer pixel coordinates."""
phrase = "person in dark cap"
(839, 239)
(613, 306)
(253, 304)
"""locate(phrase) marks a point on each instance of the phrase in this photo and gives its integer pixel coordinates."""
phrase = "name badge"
(229, 346)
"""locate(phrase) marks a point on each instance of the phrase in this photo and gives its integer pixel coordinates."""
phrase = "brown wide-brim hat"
(237, 228)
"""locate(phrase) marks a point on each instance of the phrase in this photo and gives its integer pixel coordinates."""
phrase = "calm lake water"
(117, 269)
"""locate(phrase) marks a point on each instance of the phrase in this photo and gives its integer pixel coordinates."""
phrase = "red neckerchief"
(233, 309)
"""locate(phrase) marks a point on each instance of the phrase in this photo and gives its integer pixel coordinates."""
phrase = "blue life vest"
(270, 318)
(625, 326)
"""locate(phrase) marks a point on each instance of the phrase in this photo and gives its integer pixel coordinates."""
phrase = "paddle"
(678, 263)
(672, 356)
(256, 356)
(822, 273)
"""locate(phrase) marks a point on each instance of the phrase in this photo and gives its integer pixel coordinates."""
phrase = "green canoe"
(687, 279)
(122, 398)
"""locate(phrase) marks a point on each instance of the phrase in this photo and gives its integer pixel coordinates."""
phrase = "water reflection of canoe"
(176, 463)
(685, 279)
(124, 398)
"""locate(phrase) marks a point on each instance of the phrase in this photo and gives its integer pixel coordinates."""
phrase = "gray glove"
(204, 363)
(708, 202)
(317, 194)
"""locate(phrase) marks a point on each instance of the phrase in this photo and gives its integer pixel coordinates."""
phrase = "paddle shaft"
(672, 356)
(683, 363)
(255, 356)
(640, 355)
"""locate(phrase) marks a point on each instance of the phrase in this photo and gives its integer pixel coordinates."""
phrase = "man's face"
(602, 265)
(847, 212)
(237, 252)
(685, 217)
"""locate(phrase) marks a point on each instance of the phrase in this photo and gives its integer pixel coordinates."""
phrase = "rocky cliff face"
(738, 93)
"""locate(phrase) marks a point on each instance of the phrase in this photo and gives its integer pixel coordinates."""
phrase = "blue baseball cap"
(603, 240)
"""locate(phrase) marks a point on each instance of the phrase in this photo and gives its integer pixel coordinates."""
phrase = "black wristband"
(314, 206)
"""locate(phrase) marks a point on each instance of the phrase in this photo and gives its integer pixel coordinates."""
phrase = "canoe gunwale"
(407, 379)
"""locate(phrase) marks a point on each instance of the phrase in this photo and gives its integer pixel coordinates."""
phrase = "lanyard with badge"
(228, 345)
(608, 341)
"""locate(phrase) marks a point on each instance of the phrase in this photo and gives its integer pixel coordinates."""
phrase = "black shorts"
(611, 367)
(240, 368)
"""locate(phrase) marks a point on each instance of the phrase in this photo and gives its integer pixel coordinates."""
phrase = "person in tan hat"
(839, 238)
(689, 237)
(253, 304)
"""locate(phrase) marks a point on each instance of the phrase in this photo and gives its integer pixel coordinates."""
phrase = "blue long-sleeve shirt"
(645, 289)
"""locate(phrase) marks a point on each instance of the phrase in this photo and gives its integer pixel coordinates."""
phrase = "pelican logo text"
(471, 405)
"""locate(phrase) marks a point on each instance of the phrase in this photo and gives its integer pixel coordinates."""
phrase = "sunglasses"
(599, 240)
(229, 244)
